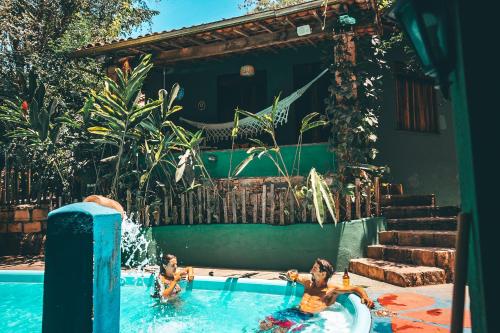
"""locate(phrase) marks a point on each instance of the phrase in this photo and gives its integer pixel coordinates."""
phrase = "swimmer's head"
(321, 271)
(168, 265)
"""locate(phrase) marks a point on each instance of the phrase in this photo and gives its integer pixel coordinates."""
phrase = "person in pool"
(167, 281)
(318, 295)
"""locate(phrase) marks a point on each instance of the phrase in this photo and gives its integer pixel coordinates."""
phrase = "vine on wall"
(353, 106)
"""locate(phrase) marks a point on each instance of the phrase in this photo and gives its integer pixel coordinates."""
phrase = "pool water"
(204, 306)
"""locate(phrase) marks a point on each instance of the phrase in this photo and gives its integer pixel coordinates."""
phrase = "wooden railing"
(260, 200)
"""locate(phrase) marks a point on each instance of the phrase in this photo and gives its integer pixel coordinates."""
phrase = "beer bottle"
(345, 279)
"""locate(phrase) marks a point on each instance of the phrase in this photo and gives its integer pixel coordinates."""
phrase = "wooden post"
(224, 206)
(255, 206)
(191, 208)
(243, 205)
(200, 207)
(273, 204)
(460, 273)
(377, 196)
(234, 206)
(304, 211)
(263, 197)
(368, 206)
(165, 209)
(291, 207)
(146, 216)
(357, 198)
(29, 183)
(175, 215)
(348, 207)
(282, 208)
(217, 206)
(313, 214)
(209, 206)
(183, 208)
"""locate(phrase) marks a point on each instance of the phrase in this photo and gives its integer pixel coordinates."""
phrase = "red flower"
(24, 106)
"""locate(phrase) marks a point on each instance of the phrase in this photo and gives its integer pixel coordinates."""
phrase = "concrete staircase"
(418, 247)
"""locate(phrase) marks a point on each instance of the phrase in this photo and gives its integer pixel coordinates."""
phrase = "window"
(416, 108)
(247, 93)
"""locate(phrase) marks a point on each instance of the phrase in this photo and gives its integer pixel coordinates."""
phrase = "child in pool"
(318, 295)
(167, 281)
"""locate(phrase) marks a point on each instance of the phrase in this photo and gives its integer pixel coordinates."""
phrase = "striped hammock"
(249, 126)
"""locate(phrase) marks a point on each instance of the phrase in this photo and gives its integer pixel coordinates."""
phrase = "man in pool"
(167, 282)
(318, 295)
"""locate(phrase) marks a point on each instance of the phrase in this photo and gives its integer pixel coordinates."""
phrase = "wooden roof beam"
(239, 32)
(287, 19)
(236, 45)
(264, 27)
(194, 41)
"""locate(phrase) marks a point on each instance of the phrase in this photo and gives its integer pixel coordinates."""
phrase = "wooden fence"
(263, 200)
(260, 200)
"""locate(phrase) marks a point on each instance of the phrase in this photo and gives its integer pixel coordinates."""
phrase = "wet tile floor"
(397, 310)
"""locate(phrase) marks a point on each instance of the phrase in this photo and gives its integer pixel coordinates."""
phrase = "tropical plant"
(120, 114)
(316, 188)
(139, 140)
(33, 125)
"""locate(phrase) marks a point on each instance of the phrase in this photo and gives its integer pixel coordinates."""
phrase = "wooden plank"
(377, 196)
(237, 45)
(183, 209)
(243, 205)
(200, 207)
(263, 198)
(224, 205)
(166, 219)
(291, 207)
(282, 207)
(304, 211)
(357, 198)
(209, 206)
(217, 206)
(146, 216)
(234, 206)
(348, 207)
(191, 208)
(175, 215)
(255, 206)
(273, 204)
(368, 205)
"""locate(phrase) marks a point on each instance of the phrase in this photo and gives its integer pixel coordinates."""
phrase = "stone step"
(393, 212)
(440, 257)
(418, 238)
(423, 223)
(408, 200)
(402, 275)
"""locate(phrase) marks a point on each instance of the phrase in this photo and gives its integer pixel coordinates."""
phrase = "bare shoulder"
(106, 202)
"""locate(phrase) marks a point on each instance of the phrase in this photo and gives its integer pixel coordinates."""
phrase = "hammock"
(249, 126)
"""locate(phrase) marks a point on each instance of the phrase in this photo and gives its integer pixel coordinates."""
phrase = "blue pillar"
(82, 270)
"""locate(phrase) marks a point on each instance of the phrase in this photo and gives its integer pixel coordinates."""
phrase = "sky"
(175, 14)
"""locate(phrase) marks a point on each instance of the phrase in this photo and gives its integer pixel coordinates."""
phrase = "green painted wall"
(312, 155)
(258, 246)
(423, 162)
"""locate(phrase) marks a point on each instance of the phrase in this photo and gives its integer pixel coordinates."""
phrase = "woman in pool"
(319, 294)
(167, 281)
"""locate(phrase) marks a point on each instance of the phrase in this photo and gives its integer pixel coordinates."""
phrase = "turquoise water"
(196, 310)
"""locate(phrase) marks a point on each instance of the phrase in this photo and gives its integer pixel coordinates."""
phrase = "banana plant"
(119, 114)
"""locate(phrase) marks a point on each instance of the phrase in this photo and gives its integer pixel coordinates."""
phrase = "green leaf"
(243, 164)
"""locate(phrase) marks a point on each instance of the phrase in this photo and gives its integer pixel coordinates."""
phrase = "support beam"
(235, 46)
(264, 27)
(239, 32)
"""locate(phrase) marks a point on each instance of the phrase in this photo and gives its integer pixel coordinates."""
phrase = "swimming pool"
(209, 304)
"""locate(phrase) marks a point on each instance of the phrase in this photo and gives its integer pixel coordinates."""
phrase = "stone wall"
(22, 229)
